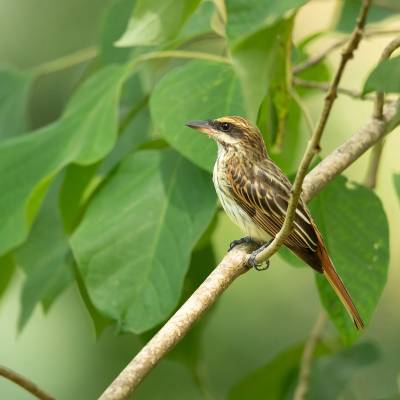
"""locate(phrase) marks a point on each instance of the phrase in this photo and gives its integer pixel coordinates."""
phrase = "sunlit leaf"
(262, 61)
(14, 91)
(246, 17)
(85, 133)
(156, 21)
(384, 77)
(45, 258)
(378, 12)
(133, 245)
(198, 90)
(358, 245)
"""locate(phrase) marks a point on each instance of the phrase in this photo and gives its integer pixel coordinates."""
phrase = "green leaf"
(45, 258)
(354, 226)
(350, 9)
(14, 91)
(332, 374)
(85, 133)
(277, 378)
(114, 24)
(198, 90)
(156, 21)
(7, 269)
(396, 181)
(266, 55)
(133, 246)
(246, 17)
(384, 77)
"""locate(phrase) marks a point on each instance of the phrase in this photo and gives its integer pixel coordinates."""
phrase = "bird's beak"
(201, 126)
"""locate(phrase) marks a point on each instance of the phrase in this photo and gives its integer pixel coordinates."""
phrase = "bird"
(254, 192)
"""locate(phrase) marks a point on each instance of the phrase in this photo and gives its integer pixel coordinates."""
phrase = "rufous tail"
(341, 291)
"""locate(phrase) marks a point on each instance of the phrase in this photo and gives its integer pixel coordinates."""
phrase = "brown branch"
(376, 154)
(334, 46)
(324, 87)
(313, 146)
(307, 356)
(234, 263)
(24, 383)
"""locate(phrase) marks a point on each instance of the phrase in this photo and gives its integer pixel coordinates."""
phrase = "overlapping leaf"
(45, 258)
(355, 229)
(84, 134)
(385, 77)
(133, 246)
(156, 21)
(198, 90)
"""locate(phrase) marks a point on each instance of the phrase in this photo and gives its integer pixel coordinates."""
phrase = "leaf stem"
(65, 62)
(24, 383)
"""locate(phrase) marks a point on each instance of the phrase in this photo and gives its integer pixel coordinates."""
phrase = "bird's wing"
(263, 191)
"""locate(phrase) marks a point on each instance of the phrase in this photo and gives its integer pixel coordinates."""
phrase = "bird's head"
(232, 133)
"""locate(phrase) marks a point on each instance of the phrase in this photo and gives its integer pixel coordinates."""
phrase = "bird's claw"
(246, 239)
(251, 262)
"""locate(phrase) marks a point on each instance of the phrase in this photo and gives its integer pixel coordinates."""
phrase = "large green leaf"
(332, 374)
(85, 133)
(266, 55)
(45, 258)
(133, 246)
(198, 90)
(384, 77)
(14, 90)
(379, 11)
(156, 21)
(355, 229)
(246, 17)
(276, 379)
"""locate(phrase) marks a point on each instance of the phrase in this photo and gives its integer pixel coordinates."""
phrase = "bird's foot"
(246, 239)
(252, 259)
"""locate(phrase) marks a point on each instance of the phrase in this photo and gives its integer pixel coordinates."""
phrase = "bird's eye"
(225, 126)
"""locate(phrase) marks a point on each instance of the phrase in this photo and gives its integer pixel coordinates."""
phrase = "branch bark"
(234, 263)
(24, 383)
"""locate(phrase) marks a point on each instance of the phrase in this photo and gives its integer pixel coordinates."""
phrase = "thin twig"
(376, 153)
(234, 263)
(313, 146)
(307, 356)
(337, 45)
(324, 87)
(25, 383)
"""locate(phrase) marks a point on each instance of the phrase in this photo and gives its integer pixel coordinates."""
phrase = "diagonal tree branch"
(25, 383)
(234, 263)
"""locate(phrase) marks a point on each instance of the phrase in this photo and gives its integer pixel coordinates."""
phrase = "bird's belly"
(240, 217)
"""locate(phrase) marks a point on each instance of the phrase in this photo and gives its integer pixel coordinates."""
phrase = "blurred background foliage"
(96, 159)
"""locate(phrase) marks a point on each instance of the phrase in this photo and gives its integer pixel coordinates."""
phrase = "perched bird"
(255, 193)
